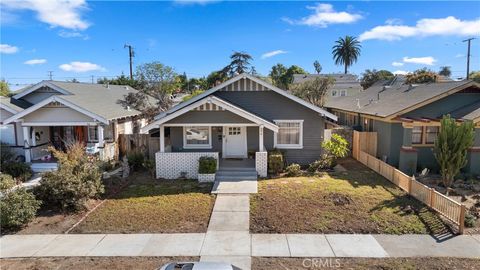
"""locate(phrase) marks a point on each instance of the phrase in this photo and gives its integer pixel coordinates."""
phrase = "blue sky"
(81, 39)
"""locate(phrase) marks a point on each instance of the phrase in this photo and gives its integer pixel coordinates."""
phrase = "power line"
(468, 55)
(131, 54)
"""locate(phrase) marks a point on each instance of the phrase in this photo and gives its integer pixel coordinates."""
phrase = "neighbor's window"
(7, 134)
(431, 134)
(92, 134)
(343, 93)
(290, 134)
(108, 132)
(417, 135)
(334, 93)
(197, 137)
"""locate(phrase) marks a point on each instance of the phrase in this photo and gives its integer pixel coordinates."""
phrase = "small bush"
(78, 179)
(6, 154)
(136, 160)
(207, 165)
(149, 164)
(337, 146)
(18, 207)
(18, 170)
(6, 182)
(275, 163)
(470, 220)
(293, 170)
(324, 163)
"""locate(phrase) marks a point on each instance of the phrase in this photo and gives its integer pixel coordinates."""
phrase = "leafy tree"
(475, 76)
(216, 78)
(240, 63)
(313, 91)
(4, 89)
(451, 147)
(445, 71)
(369, 77)
(346, 51)
(194, 93)
(421, 76)
(277, 74)
(337, 146)
(122, 80)
(74, 80)
(195, 84)
(317, 66)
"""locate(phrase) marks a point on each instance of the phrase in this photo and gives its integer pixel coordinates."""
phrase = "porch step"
(44, 167)
(236, 174)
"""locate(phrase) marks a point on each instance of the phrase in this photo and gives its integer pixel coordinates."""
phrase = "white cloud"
(35, 62)
(272, 53)
(8, 49)
(425, 27)
(400, 72)
(72, 34)
(427, 60)
(393, 21)
(65, 14)
(81, 67)
(397, 64)
(459, 55)
(324, 15)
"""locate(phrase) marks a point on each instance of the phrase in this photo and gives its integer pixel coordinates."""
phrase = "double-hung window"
(431, 134)
(417, 135)
(289, 135)
(197, 137)
(92, 134)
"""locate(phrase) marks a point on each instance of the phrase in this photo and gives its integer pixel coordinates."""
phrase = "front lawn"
(153, 206)
(355, 201)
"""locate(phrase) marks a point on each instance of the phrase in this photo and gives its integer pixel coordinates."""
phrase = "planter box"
(209, 177)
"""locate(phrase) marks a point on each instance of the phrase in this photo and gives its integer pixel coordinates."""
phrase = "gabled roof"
(96, 98)
(255, 79)
(8, 106)
(389, 101)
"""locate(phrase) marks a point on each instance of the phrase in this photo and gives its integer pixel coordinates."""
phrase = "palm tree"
(346, 51)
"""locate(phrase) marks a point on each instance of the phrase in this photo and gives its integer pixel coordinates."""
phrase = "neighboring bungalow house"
(240, 119)
(53, 113)
(345, 84)
(407, 119)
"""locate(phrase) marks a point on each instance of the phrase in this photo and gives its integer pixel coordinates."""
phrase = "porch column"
(162, 138)
(260, 138)
(34, 139)
(100, 136)
(26, 144)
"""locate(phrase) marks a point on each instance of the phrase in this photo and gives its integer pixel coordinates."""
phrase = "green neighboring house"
(407, 119)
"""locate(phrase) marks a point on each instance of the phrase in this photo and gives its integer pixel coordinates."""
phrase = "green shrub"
(6, 182)
(207, 165)
(18, 207)
(324, 163)
(275, 162)
(337, 146)
(149, 164)
(6, 154)
(470, 220)
(18, 170)
(78, 179)
(136, 160)
(293, 170)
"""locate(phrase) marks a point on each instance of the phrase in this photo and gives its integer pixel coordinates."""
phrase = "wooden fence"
(364, 141)
(448, 208)
(128, 143)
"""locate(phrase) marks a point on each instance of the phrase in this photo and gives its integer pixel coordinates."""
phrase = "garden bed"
(355, 201)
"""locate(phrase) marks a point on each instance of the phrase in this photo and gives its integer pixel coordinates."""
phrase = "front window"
(197, 137)
(7, 134)
(92, 134)
(290, 134)
(431, 134)
(417, 135)
(108, 132)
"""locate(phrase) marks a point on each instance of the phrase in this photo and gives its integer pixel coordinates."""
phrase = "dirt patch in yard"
(364, 263)
(91, 263)
(356, 201)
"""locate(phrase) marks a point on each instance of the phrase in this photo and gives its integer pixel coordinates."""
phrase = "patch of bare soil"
(259, 263)
(90, 263)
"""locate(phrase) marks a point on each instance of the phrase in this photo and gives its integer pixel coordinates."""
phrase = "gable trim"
(54, 99)
(37, 86)
(257, 80)
(219, 102)
(8, 109)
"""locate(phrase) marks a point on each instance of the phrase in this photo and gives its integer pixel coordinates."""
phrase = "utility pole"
(50, 74)
(92, 78)
(131, 54)
(468, 56)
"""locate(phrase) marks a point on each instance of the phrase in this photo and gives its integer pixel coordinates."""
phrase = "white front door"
(235, 142)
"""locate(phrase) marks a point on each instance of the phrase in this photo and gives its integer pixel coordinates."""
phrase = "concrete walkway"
(235, 187)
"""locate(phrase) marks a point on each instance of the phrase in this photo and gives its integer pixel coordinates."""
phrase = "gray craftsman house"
(238, 120)
(407, 119)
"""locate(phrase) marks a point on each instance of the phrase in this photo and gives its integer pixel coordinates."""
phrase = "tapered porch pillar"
(162, 138)
(260, 139)
(100, 136)
(26, 144)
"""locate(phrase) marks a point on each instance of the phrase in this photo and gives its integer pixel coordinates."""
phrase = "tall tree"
(369, 77)
(346, 51)
(451, 147)
(240, 63)
(421, 76)
(475, 76)
(121, 80)
(445, 71)
(313, 91)
(216, 78)
(317, 66)
(4, 89)
(276, 74)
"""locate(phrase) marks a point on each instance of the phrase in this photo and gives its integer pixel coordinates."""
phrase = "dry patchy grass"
(357, 201)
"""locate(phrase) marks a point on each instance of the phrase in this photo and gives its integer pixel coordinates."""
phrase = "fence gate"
(366, 142)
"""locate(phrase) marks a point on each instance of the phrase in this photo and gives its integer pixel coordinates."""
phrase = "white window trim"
(197, 146)
(88, 134)
(289, 146)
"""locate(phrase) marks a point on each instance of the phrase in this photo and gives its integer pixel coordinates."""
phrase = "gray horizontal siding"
(202, 117)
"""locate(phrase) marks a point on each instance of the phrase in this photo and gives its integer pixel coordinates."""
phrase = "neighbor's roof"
(6, 104)
(342, 81)
(96, 98)
(468, 112)
(386, 101)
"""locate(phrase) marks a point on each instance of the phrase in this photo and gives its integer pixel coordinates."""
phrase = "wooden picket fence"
(448, 208)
